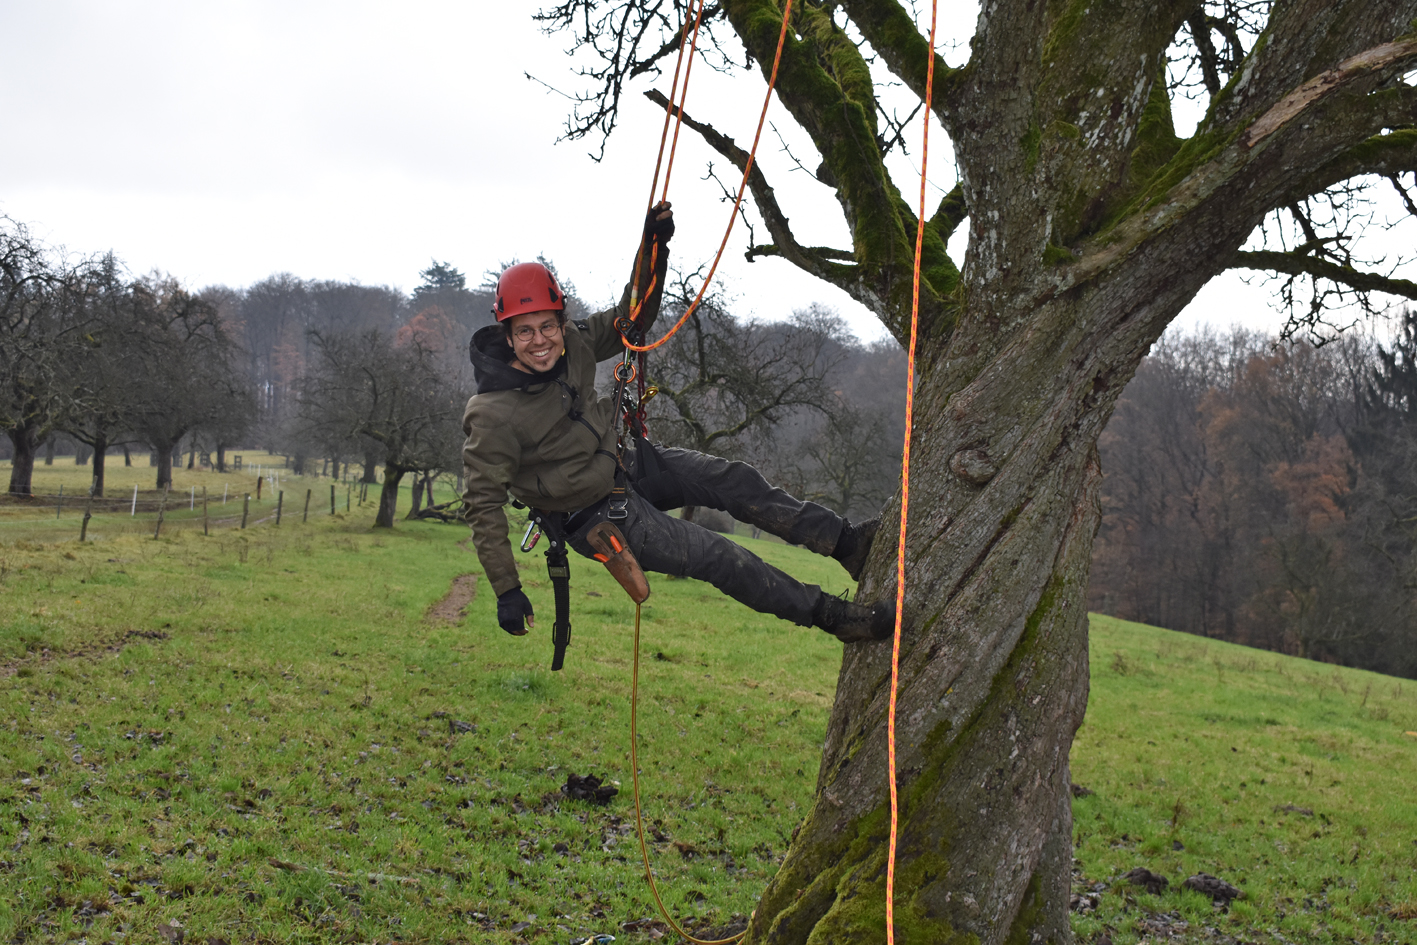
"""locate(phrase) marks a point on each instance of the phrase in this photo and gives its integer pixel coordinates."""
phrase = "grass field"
(259, 736)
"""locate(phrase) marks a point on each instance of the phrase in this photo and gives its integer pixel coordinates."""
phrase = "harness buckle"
(617, 506)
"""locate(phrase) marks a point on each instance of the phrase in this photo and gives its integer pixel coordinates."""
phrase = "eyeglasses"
(527, 332)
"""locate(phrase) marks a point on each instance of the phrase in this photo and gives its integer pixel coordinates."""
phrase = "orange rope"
(677, 112)
(639, 817)
(733, 216)
(905, 491)
(659, 158)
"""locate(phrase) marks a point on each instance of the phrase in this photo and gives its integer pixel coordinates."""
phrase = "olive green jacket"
(547, 439)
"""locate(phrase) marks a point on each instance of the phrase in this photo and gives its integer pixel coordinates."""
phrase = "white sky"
(226, 142)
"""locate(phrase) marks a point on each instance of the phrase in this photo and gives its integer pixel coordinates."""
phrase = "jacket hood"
(492, 369)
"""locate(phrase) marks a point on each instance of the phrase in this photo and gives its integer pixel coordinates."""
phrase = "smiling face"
(536, 340)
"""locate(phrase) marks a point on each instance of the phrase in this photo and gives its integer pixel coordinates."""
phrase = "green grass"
(186, 719)
(1200, 752)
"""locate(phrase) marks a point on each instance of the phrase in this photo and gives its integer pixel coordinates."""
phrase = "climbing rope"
(636, 305)
(676, 113)
(639, 816)
(905, 489)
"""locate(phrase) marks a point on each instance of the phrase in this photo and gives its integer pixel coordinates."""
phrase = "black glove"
(512, 607)
(662, 230)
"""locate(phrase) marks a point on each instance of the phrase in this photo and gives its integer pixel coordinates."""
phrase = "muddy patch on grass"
(453, 606)
(23, 666)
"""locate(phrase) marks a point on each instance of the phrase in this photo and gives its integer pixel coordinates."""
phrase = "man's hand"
(512, 607)
(659, 222)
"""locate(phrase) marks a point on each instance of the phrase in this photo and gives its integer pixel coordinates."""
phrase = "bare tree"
(42, 326)
(1092, 223)
(395, 392)
(187, 376)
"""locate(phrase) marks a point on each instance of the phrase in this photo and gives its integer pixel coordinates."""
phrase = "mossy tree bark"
(1091, 225)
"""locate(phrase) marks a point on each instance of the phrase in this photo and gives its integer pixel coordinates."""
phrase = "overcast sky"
(226, 142)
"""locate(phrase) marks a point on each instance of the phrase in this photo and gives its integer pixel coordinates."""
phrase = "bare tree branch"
(1302, 264)
(817, 261)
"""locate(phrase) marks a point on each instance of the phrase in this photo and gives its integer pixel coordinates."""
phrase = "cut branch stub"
(973, 466)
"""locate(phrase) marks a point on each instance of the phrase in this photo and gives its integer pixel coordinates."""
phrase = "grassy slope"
(1207, 746)
(287, 704)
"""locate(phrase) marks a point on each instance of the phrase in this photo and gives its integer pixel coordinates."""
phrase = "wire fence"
(27, 517)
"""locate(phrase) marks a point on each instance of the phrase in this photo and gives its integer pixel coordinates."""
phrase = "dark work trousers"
(671, 545)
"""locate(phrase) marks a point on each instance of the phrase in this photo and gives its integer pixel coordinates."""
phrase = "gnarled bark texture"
(1091, 225)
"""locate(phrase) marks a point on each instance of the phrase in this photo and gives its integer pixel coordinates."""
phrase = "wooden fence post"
(280, 504)
(258, 488)
(306, 516)
(347, 491)
(161, 511)
(332, 498)
(204, 511)
(88, 514)
(59, 506)
(245, 508)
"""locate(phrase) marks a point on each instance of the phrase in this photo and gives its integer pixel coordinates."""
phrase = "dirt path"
(452, 607)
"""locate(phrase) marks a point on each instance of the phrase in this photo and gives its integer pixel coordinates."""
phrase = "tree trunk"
(100, 447)
(192, 456)
(388, 497)
(417, 493)
(81, 455)
(162, 457)
(371, 464)
(991, 692)
(221, 457)
(49, 450)
(127, 456)
(22, 463)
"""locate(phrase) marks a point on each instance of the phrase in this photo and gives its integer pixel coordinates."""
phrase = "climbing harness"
(905, 487)
(558, 567)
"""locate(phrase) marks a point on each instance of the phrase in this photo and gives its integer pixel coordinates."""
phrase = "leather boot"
(854, 546)
(850, 622)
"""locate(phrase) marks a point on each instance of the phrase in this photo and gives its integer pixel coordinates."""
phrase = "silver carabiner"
(532, 536)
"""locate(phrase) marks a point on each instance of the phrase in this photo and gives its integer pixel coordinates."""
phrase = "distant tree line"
(1267, 494)
(109, 359)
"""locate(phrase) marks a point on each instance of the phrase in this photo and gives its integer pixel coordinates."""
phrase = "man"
(537, 429)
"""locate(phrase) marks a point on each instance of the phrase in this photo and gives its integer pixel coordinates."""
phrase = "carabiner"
(532, 536)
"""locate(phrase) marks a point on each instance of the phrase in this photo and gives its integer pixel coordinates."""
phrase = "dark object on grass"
(1080, 791)
(1217, 889)
(1155, 883)
(442, 513)
(1177, 845)
(589, 788)
(1293, 809)
(455, 726)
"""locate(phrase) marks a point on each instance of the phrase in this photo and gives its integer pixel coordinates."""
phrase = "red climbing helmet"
(527, 287)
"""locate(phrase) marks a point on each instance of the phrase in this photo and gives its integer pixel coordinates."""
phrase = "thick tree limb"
(1300, 264)
(951, 213)
(1384, 155)
(815, 260)
(892, 33)
(1355, 67)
